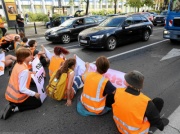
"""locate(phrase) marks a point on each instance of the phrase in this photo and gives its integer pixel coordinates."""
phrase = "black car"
(69, 29)
(57, 21)
(116, 30)
(100, 18)
(160, 19)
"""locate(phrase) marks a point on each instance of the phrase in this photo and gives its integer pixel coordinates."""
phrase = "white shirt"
(23, 78)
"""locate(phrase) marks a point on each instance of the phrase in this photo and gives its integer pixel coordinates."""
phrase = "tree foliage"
(139, 3)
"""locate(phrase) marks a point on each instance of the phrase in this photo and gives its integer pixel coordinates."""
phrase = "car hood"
(55, 29)
(97, 30)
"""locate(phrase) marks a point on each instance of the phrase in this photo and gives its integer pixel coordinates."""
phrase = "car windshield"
(164, 13)
(67, 23)
(112, 22)
(175, 5)
(146, 14)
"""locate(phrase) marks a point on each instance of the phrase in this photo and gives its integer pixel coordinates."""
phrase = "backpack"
(56, 87)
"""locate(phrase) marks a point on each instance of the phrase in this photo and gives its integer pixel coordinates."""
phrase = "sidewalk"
(174, 124)
(30, 29)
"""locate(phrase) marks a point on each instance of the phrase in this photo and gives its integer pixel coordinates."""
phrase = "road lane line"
(133, 50)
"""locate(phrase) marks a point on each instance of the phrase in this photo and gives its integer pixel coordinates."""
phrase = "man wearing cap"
(134, 112)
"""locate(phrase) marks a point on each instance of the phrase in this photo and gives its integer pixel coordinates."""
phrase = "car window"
(67, 23)
(89, 20)
(144, 19)
(137, 19)
(164, 13)
(129, 21)
(112, 22)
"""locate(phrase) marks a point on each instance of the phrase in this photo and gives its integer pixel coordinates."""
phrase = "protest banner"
(2, 63)
(116, 77)
(39, 78)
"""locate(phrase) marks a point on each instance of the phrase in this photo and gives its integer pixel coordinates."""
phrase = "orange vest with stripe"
(55, 64)
(92, 96)
(129, 111)
(12, 92)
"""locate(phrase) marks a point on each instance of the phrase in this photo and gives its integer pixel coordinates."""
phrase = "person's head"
(16, 38)
(32, 43)
(22, 35)
(68, 64)
(134, 79)
(0, 16)
(102, 64)
(25, 39)
(24, 55)
(58, 50)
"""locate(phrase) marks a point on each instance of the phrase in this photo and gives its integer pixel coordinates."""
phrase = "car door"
(77, 27)
(138, 27)
(90, 22)
(128, 30)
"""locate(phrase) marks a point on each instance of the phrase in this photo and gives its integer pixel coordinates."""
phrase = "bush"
(38, 17)
(103, 12)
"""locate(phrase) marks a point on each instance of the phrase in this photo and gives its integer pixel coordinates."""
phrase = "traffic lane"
(161, 77)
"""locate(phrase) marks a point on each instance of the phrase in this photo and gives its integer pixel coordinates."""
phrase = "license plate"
(158, 21)
(83, 41)
(47, 37)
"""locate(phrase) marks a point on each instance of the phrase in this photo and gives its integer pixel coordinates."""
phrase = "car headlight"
(53, 33)
(166, 32)
(98, 36)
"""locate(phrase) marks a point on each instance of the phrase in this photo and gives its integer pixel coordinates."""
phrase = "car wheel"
(111, 43)
(65, 38)
(146, 35)
(155, 24)
(173, 40)
(49, 26)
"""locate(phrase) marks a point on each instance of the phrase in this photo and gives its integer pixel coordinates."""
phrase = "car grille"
(176, 22)
(84, 38)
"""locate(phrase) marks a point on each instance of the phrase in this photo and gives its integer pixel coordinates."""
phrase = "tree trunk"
(87, 7)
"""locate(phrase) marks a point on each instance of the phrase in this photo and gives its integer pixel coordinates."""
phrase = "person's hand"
(68, 103)
(87, 64)
(37, 95)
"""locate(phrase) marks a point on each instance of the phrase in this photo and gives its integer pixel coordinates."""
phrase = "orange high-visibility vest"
(129, 111)
(10, 37)
(92, 96)
(55, 64)
(12, 92)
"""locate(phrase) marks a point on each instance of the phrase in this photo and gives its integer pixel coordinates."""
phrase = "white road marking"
(173, 53)
(133, 50)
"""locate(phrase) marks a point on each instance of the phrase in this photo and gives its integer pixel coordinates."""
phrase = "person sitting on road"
(17, 42)
(9, 59)
(98, 92)
(57, 59)
(134, 112)
(41, 54)
(18, 94)
(24, 42)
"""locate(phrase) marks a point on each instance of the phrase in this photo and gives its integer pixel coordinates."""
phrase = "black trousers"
(3, 31)
(29, 103)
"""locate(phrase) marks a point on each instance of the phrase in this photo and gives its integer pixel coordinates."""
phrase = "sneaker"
(8, 111)
(165, 121)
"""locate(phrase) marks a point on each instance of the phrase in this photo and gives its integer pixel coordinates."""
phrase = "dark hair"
(31, 43)
(58, 50)
(16, 38)
(65, 67)
(22, 54)
(25, 39)
(102, 64)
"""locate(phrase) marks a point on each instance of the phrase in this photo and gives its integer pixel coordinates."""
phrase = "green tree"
(149, 3)
(134, 3)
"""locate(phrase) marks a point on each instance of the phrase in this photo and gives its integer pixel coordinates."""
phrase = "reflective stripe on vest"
(15, 98)
(13, 88)
(129, 127)
(97, 99)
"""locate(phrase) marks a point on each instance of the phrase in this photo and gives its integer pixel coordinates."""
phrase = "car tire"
(155, 24)
(146, 35)
(111, 43)
(173, 40)
(65, 38)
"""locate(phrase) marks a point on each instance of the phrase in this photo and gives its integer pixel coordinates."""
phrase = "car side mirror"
(125, 25)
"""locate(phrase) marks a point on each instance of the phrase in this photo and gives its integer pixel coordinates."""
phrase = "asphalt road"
(161, 80)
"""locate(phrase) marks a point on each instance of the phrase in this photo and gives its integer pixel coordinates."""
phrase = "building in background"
(43, 6)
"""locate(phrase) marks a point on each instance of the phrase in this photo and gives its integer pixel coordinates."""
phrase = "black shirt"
(18, 20)
(151, 111)
(109, 88)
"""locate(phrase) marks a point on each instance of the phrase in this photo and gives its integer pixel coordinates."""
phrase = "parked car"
(148, 15)
(153, 13)
(160, 19)
(115, 31)
(57, 21)
(111, 15)
(69, 29)
(100, 18)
